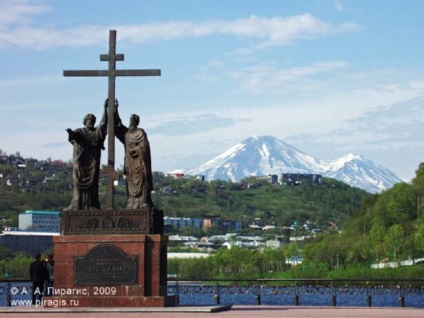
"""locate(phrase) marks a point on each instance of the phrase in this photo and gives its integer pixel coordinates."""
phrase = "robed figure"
(88, 142)
(137, 165)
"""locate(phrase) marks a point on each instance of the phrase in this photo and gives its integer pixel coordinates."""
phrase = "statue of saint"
(137, 166)
(88, 143)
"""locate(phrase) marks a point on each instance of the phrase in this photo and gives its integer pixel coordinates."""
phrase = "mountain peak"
(263, 155)
(352, 156)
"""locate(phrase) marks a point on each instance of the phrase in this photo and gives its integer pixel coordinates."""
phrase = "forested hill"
(46, 185)
(389, 227)
(373, 227)
(319, 204)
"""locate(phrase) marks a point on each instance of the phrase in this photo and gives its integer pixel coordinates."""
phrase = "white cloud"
(44, 38)
(19, 30)
(270, 32)
(20, 12)
(240, 52)
(189, 125)
(30, 81)
(269, 76)
(390, 135)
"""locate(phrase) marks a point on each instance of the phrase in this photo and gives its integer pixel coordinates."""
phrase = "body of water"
(303, 296)
(206, 295)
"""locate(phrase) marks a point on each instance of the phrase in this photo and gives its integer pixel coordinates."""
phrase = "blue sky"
(328, 77)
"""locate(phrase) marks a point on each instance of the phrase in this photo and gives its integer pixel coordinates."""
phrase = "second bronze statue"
(138, 164)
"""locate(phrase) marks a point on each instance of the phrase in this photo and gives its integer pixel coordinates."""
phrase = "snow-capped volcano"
(257, 156)
(361, 172)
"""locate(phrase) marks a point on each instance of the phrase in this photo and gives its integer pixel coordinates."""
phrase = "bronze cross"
(112, 72)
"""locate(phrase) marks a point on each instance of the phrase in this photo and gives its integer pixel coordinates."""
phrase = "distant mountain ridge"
(263, 155)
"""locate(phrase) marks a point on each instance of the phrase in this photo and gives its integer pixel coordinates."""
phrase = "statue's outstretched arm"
(71, 134)
(103, 122)
(118, 121)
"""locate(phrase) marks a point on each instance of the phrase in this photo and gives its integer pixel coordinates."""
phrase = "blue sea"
(303, 296)
(206, 295)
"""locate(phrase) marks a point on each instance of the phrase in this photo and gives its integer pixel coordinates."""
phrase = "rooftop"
(41, 212)
(30, 233)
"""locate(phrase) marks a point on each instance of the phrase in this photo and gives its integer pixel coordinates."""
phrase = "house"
(222, 224)
(14, 182)
(273, 243)
(299, 178)
(272, 178)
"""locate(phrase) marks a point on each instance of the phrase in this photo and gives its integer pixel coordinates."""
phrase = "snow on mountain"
(360, 172)
(263, 155)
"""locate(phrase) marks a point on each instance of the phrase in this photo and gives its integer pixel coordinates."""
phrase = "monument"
(110, 257)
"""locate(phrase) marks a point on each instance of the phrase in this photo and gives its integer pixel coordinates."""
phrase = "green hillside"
(371, 227)
(331, 201)
(388, 227)
(46, 185)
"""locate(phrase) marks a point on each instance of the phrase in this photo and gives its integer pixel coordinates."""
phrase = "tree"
(15, 265)
(418, 184)
(191, 231)
(419, 239)
(325, 250)
(237, 262)
(375, 240)
(274, 259)
(291, 251)
(357, 248)
(394, 240)
(401, 204)
(5, 253)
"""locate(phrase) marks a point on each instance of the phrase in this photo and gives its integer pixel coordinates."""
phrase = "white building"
(45, 221)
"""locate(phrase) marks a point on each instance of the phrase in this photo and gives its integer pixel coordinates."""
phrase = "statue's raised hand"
(70, 132)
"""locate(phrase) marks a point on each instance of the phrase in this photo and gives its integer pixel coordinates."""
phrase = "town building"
(272, 178)
(299, 178)
(45, 221)
(175, 223)
(29, 242)
(34, 234)
(221, 224)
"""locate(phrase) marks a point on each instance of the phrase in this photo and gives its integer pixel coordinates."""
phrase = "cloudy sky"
(328, 77)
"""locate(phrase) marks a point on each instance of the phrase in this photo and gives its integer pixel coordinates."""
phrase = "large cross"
(112, 72)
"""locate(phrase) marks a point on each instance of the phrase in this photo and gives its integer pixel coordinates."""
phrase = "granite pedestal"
(109, 259)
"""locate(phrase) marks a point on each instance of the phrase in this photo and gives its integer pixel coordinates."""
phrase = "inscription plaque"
(105, 264)
(125, 221)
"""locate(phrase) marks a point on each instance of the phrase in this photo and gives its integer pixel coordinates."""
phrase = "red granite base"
(144, 285)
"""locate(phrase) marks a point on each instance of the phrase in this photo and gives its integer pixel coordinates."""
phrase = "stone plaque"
(125, 221)
(105, 264)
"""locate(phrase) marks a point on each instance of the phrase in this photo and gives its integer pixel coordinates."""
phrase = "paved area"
(214, 312)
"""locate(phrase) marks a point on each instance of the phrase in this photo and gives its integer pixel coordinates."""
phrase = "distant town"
(36, 228)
